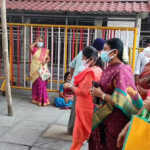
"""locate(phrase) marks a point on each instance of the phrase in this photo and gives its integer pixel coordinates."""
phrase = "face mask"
(86, 65)
(40, 44)
(105, 56)
(84, 62)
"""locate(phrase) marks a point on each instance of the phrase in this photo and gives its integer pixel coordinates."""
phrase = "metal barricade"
(64, 43)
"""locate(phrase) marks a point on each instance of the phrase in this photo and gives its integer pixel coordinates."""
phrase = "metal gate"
(64, 43)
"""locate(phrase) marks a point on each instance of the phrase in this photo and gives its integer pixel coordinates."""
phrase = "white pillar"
(99, 32)
(138, 25)
(27, 21)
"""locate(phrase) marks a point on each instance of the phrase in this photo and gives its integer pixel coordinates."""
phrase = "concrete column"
(66, 20)
(27, 35)
(98, 23)
(138, 25)
(27, 21)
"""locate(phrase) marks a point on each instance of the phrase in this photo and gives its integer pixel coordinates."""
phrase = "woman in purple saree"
(116, 87)
(40, 59)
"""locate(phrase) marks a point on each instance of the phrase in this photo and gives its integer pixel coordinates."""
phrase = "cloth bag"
(101, 111)
(138, 136)
(44, 72)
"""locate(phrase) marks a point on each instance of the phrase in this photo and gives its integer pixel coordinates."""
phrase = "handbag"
(44, 72)
(101, 111)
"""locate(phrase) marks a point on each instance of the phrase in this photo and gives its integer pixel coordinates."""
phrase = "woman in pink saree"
(40, 59)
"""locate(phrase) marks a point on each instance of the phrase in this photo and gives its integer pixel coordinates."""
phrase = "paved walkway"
(24, 131)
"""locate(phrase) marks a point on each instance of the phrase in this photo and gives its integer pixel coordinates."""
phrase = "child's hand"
(67, 85)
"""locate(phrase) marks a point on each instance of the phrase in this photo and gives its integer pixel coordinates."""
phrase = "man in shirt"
(126, 54)
(142, 59)
(77, 66)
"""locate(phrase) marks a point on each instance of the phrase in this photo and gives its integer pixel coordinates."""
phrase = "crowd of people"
(102, 91)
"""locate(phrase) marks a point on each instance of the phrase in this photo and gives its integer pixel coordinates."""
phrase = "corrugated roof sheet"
(121, 6)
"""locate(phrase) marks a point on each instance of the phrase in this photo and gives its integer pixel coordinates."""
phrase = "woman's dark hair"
(91, 53)
(66, 75)
(116, 43)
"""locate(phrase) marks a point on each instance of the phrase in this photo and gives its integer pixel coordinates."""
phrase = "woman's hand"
(34, 44)
(37, 40)
(120, 139)
(43, 63)
(121, 136)
(96, 92)
(147, 103)
(48, 59)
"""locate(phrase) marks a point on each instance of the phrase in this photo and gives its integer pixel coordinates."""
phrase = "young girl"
(65, 98)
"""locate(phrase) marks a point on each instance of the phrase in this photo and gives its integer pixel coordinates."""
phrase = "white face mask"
(85, 63)
(40, 44)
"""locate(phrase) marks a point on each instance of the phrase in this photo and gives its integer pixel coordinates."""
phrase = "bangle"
(103, 96)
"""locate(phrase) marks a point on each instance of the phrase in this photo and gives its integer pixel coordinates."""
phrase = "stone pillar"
(138, 25)
(98, 22)
(26, 21)
(27, 41)
(66, 20)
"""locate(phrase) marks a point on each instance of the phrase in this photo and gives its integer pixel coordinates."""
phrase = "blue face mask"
(105, 56)
(40, 44)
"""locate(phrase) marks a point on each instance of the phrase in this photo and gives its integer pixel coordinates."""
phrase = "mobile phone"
(95, 84)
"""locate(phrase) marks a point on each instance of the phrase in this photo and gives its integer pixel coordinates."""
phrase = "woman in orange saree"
(40, 59)
(84, 102)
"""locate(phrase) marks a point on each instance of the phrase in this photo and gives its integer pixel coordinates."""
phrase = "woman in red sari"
(40, 59)
(143, 82)
(84, 102)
